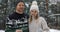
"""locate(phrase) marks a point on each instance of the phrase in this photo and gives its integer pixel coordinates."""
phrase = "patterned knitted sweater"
(17, 21)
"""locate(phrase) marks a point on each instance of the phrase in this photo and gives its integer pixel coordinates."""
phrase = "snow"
(2, 31)
(51, 30)
(54, 30)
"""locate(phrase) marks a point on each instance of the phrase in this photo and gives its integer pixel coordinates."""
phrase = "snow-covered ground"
(54, 30)
(51, 30)
(2, 31)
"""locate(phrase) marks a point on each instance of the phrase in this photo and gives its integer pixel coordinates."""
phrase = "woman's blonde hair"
(30, 18)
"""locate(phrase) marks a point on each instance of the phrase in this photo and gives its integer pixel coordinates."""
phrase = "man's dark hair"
(18, 2)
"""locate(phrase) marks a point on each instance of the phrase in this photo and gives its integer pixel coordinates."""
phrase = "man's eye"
(19, 5)
(22, 5)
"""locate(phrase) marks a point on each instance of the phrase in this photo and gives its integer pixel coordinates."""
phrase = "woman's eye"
(32, 11)
(35, 11)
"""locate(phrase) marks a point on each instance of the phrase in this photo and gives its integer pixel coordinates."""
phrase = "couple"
(36, 23)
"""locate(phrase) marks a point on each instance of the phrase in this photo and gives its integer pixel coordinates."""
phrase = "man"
(19, 16)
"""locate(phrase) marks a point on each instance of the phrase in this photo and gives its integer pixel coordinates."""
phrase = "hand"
(18, 30)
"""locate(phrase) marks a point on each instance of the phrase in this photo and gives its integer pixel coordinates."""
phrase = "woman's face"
(33, 13)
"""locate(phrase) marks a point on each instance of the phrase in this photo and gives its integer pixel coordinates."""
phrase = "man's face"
(20, 7)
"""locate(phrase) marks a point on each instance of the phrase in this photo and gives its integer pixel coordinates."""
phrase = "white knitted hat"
(34, 6)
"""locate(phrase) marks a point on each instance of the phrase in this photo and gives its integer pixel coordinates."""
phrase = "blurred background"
(49, 9)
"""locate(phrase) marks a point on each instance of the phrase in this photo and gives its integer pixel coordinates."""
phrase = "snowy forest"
(49, 9)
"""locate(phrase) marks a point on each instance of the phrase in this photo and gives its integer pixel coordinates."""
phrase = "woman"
(36, 23)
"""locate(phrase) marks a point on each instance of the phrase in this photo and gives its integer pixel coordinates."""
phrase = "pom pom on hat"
(34, 6)
(34, 3)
